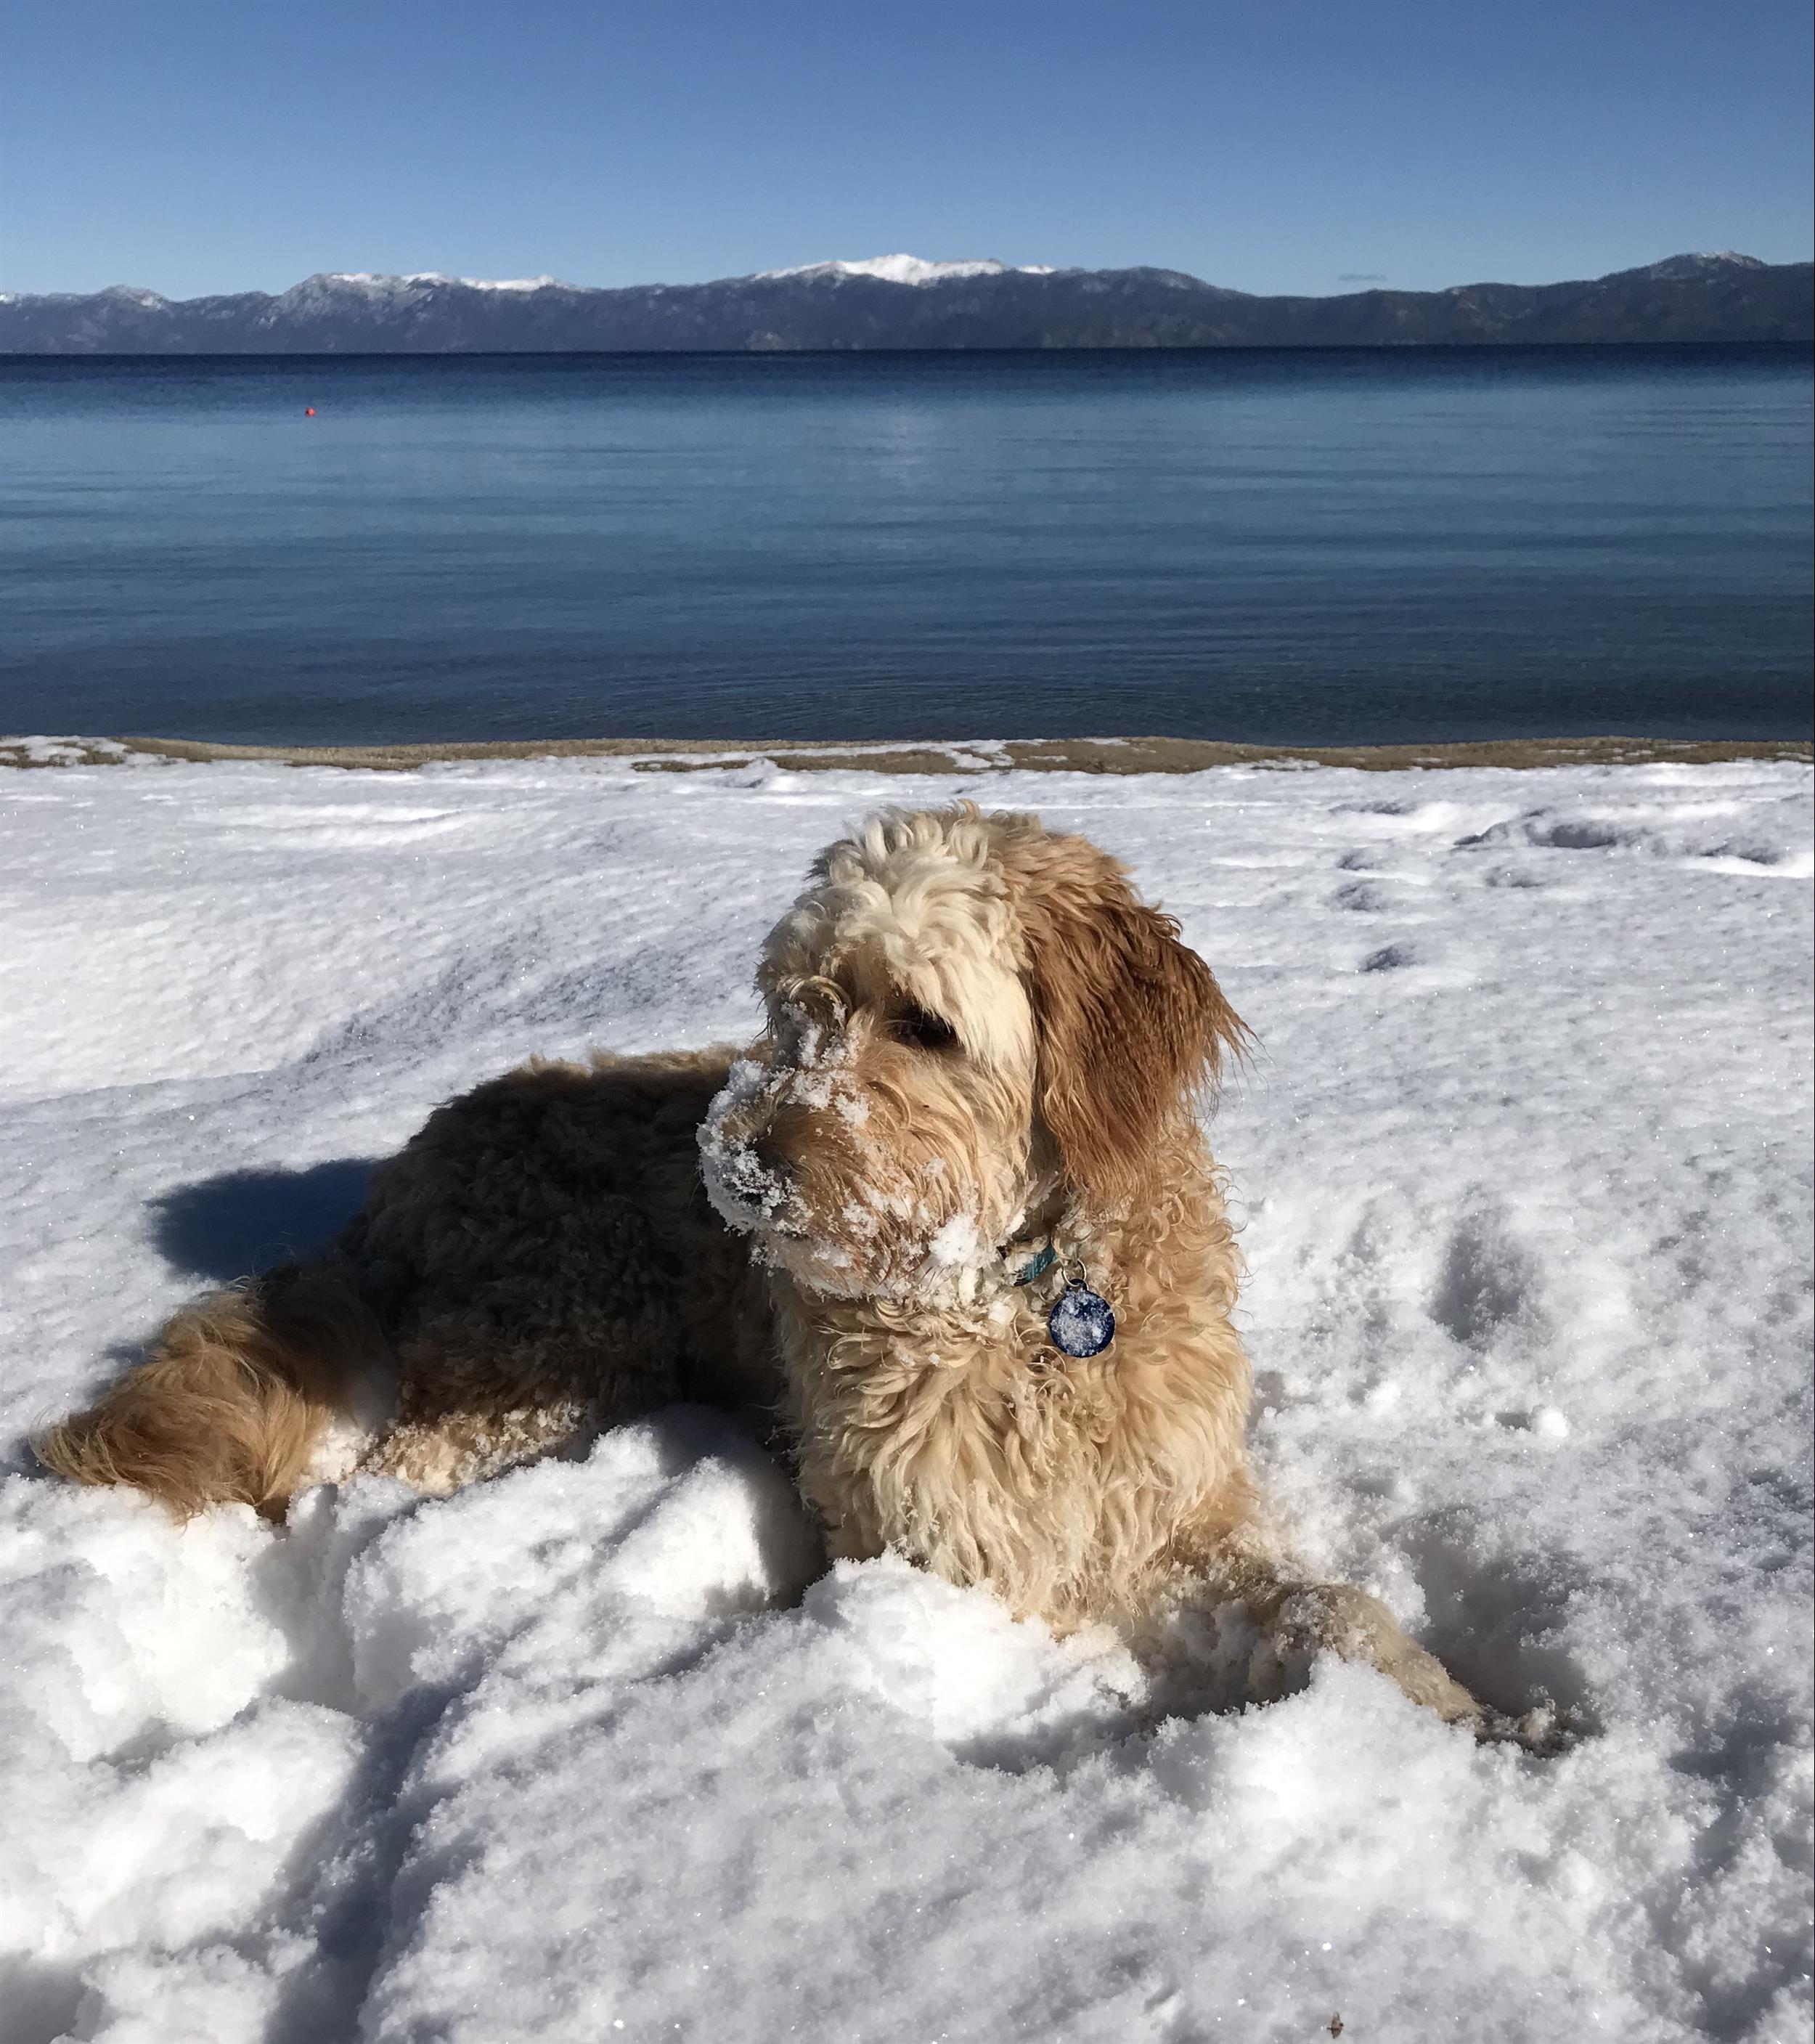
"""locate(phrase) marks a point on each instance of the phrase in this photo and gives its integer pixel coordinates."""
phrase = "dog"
(951, 1225)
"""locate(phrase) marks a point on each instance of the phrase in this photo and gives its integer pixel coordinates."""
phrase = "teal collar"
(1040, 1266)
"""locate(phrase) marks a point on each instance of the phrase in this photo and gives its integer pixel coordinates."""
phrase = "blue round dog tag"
(1081, 1323)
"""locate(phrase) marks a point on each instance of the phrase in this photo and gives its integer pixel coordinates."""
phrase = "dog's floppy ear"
(1129, 1022)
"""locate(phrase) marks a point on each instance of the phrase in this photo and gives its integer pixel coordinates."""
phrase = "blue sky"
(204, 145)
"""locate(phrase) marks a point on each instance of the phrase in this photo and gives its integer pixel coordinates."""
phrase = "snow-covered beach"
(597, 1750)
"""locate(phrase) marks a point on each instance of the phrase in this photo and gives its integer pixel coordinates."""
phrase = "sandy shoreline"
(1072, 755)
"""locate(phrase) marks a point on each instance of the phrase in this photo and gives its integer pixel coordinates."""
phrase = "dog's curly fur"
(981, 1044)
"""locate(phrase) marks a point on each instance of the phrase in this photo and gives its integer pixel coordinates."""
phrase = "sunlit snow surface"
(1523, 1168)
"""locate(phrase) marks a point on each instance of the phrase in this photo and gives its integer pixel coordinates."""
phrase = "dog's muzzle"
(745, 1183)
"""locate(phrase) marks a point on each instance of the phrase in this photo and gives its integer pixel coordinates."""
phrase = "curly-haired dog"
(975, 1101)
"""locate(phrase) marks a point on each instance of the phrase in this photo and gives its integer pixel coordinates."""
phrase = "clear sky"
(1302, 145)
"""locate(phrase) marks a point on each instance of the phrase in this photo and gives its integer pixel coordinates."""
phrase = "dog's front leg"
(1319, 1617)
(1298, 1617)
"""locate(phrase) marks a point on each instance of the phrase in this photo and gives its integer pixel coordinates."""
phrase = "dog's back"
(543, 1260)
(540, 1259)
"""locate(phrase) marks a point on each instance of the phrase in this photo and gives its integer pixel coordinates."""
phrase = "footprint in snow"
(1488, 1282)
(1392, 958)
(1364, 897)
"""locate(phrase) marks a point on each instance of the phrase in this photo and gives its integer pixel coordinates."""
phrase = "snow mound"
(601, 1749)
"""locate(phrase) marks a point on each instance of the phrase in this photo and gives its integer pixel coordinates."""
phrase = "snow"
(1700, 263)
(45, 751)
(909, 270)
(956, 1244)
(1523, 1170)
(381, 283)
(541, 283)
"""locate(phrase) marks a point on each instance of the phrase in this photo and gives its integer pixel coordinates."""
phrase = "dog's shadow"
(242, 1222)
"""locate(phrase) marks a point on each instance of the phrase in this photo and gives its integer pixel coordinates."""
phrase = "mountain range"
(902, 302)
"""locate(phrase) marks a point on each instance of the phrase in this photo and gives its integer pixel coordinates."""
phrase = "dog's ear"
(1130, 1023)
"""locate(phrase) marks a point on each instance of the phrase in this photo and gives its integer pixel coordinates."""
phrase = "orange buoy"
(309, 411)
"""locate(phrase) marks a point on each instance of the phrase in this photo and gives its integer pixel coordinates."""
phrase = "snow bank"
(598, 1749)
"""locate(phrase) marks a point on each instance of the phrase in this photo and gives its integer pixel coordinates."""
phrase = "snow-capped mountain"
(908, 302)
(376, 281)
(911, 270)
(1708, 264)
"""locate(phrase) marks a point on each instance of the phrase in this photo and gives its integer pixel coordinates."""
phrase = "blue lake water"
(1328, 547)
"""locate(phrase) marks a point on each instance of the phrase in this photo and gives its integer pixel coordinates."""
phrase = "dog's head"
(968, 1018)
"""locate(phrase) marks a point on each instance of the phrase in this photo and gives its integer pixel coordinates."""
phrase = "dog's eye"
(924, 1032)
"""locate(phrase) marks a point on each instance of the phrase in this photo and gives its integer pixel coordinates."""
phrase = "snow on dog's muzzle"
(746, 1188)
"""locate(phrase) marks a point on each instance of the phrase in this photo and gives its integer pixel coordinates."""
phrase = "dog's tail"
(228, 1406)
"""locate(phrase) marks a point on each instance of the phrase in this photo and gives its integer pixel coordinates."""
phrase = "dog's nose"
(762, 1149)
(752, 1174)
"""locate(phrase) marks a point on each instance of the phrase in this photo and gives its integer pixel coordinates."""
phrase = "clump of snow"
(909, 269)
(38, 751)
(1526, 1209)
(956, 1244)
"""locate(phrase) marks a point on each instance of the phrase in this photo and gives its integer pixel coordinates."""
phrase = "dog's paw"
(1544, 1730)
(1341, 1620)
